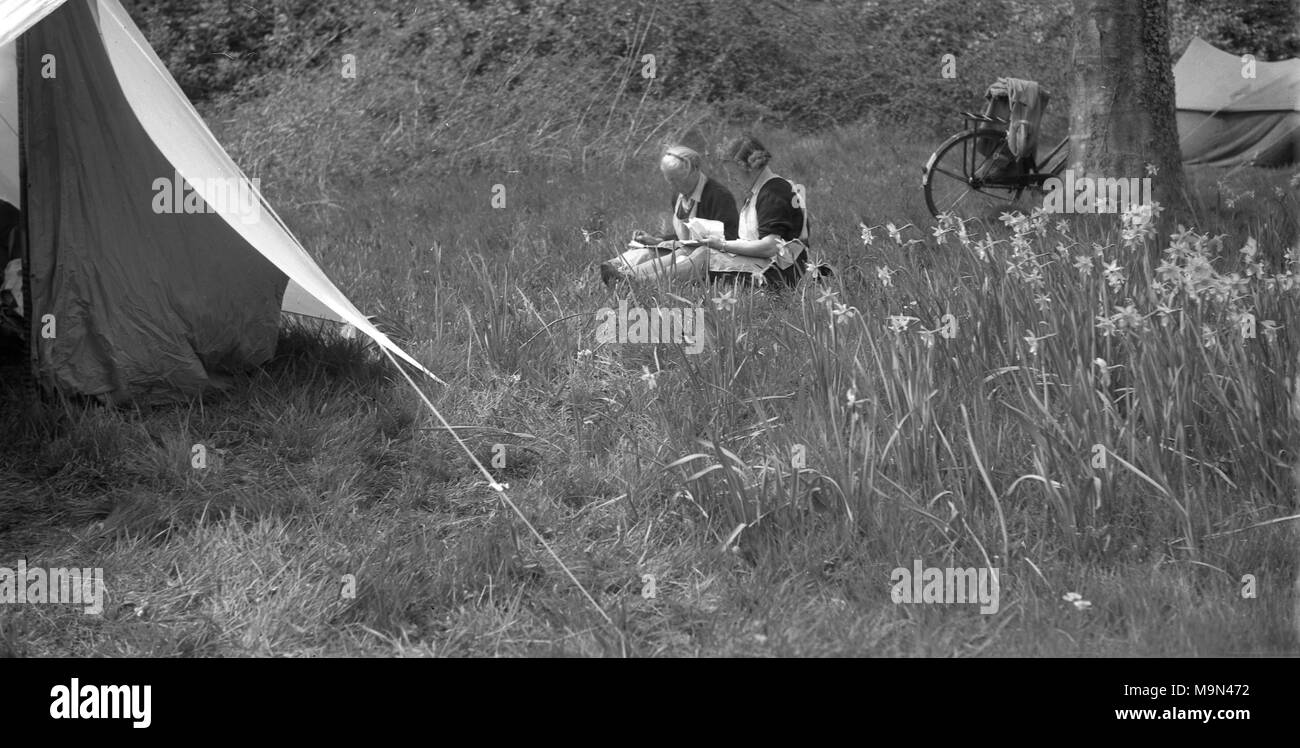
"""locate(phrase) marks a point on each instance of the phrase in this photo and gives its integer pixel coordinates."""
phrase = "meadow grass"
(942, 391)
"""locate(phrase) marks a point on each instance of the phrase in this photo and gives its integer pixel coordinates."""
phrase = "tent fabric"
(20, 15)
(180, 133)
(296, 299)
(176, 294)
(146, 303)
(16, 16)
(1236, 138)
(9, 191)
(1225, 119)
(1209, 79)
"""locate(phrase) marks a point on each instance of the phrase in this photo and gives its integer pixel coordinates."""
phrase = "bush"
(459, 84)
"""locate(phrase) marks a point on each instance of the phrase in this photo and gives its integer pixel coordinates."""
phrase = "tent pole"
(24, 225)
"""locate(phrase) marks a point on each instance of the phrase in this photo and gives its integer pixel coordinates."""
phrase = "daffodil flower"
(1106, 325)
(1250, 249)
(726, 301)
(896, 233)
(867, 238)
(899, 322)
(1100, 363)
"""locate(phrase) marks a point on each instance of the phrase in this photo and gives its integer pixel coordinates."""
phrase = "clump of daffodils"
(1138, 223)
(1181, 294)
(1186, 277)
(951, 223)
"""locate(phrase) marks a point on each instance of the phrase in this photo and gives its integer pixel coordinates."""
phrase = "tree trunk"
(1122, 109)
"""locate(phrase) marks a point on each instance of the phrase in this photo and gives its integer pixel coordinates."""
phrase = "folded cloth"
(1026, 101)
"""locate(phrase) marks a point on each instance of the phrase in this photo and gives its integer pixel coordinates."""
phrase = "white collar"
(763, 178)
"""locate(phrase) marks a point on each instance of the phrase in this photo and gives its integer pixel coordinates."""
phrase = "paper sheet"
(702, 229)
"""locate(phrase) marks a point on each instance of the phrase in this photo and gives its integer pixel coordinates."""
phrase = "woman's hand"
(715, 243)
(641, 237)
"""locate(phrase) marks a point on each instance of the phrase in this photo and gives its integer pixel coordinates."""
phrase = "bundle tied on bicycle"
(1015, 109)
(985, 169)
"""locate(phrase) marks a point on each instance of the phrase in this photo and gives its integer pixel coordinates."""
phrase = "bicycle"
(974, 172)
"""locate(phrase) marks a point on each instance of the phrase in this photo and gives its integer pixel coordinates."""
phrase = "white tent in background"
(146, 303)
(1231, 113)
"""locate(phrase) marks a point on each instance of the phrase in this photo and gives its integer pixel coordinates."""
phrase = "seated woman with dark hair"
(773, 243)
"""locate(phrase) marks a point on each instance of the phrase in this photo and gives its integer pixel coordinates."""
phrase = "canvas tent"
(1226, 119)
(150, 297)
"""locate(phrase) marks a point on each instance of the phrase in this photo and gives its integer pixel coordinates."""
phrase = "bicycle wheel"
(973, 175)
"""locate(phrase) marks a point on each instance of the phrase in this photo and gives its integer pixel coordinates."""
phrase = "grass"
(974, 449)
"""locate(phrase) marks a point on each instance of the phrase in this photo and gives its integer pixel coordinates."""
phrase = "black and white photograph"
(685, 329)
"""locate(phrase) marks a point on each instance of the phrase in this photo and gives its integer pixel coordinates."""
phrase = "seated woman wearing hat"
(698, 196)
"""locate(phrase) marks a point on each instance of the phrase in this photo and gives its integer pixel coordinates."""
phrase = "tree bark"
(1122, 109)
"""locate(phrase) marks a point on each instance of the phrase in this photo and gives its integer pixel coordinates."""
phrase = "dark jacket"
(778, 215)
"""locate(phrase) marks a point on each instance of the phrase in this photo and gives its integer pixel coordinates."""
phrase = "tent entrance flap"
(182, 136)
(144, 302)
